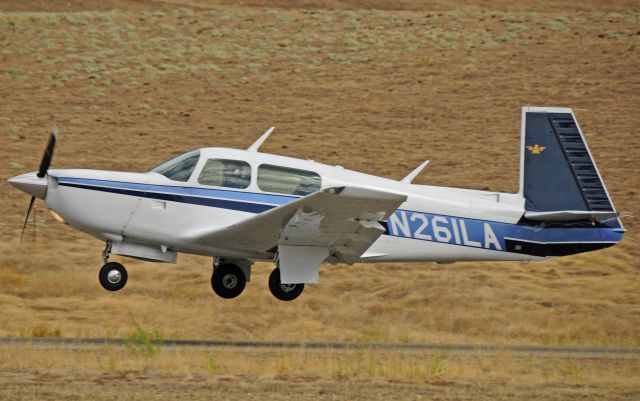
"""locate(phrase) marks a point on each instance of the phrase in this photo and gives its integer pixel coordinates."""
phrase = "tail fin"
(559, 178)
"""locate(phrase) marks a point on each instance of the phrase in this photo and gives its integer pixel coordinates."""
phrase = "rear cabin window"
(180, 167)
(226, 173)
(290, 181)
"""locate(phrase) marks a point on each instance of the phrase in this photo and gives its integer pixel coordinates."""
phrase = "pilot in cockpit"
(233, 178)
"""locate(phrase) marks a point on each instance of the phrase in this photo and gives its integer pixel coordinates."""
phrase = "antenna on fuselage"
(263, 137)
(415, 172)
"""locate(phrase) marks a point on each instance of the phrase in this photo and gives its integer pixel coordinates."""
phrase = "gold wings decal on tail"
(536, 149)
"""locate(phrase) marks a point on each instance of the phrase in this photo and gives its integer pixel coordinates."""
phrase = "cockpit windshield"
(180, 167)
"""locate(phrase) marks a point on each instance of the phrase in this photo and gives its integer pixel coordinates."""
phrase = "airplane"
(242, 206)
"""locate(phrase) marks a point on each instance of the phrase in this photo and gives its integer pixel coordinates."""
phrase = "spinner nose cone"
(31, 184)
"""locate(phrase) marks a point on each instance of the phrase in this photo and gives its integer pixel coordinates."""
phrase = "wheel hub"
(288, 287)
(229, 281)
(114, 276)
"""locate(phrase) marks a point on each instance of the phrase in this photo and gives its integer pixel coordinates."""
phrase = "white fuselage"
(434, 224)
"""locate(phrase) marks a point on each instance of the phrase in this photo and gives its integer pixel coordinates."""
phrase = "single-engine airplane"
(240, 206)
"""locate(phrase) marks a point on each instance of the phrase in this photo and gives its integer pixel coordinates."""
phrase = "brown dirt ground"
(367, 85)
(140, 386)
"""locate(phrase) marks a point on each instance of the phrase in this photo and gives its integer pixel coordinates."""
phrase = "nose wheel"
(228, 281)
(284, 292)
(113, 276)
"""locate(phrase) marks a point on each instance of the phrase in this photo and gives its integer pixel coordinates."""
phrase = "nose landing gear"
(113, 276)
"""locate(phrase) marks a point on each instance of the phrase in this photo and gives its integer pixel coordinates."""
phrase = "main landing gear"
(113, 276)
(230, 277)
(228, 280)
(284, 292)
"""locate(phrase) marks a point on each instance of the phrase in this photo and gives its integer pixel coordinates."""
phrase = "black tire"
(228, 281)
(284, 292)
(113, 276)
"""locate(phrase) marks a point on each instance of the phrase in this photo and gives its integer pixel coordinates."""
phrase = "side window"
(286, 180)
(226, 173)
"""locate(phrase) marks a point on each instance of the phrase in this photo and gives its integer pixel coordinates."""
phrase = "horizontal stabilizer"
(569, 215)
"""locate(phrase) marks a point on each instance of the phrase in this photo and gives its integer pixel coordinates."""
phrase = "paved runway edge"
(600, 352)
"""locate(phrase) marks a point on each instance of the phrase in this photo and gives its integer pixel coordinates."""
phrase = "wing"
(338, 224)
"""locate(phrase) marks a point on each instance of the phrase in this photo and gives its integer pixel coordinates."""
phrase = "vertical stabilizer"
(558, 172)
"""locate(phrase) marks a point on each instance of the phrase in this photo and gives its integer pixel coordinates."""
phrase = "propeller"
(42, 171)
(48, 153)
(26, 219)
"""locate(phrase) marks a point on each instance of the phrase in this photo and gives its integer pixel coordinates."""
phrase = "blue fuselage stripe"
(402, 223)
(173, 197)
(489, 234)
(269, 199)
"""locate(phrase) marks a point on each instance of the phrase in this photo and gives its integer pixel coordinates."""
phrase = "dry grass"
(36, 373)
(564, 302)
(373, 90)
(374, 86)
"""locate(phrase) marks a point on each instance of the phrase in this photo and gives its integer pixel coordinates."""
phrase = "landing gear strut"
(284, 292)
(113, 276)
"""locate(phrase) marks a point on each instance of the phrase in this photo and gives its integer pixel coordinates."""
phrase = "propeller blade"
(48, 153)
(26, 219)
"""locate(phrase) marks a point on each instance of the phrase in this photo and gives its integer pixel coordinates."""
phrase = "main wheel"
(113, 276)
(284, 292)
(228, 281)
